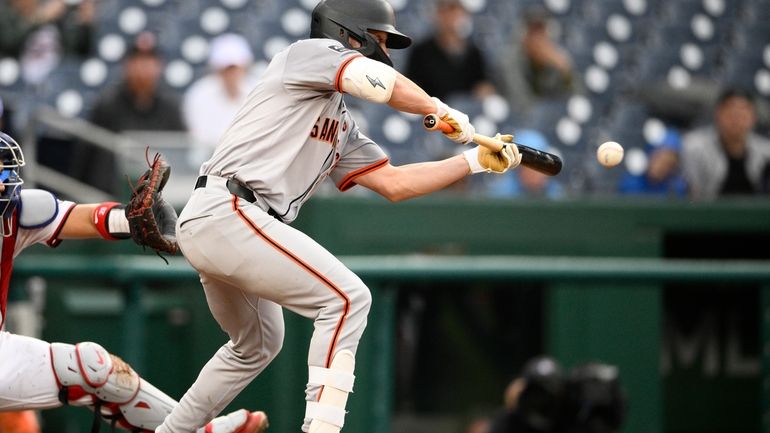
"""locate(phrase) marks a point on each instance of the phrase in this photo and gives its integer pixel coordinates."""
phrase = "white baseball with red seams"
(609, 154)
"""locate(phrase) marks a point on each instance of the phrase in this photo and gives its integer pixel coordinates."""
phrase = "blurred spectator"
(663, 176)
(594, 399)
(534, 67)
(727, 158)
(211, 103)
(533, 402)
(40, 33)
(448, 62)
(685, 105)
(543, 399)
(138, 103)
(524, 181)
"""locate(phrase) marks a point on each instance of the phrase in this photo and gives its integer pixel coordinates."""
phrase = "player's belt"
(233, 186)
(240, 190)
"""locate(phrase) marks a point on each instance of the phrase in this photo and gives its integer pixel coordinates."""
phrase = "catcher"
(35, 374)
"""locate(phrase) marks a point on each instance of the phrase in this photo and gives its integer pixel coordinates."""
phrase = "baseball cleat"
(240, 421)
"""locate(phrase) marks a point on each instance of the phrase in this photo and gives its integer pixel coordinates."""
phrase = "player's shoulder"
(37, 208)
(319, 46)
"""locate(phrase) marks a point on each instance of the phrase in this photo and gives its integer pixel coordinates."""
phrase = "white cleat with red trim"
(240, 421)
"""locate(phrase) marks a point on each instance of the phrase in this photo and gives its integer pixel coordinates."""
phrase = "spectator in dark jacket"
(448, 62)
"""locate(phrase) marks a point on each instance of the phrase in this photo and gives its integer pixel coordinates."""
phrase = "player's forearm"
(79, 224)
(410, 98)
(414, 180)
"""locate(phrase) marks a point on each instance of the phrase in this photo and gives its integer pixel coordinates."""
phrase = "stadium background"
(441, 347)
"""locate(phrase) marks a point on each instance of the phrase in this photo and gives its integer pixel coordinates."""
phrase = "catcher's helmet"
(12, 159)
(339, 19)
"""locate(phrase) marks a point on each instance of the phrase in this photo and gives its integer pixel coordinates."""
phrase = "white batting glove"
(464, 131)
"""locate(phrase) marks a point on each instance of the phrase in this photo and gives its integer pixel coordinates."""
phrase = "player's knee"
(87, 373)
(274, 343)
(360, 300)
(253, 354)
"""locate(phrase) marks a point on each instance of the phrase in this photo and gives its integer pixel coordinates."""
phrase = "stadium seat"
(679, 11)
(626, 123)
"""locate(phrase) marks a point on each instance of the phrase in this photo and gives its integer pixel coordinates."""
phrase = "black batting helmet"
(340, 19)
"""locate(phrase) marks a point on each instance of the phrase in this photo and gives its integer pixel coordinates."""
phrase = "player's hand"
(482, 160)
(510, 148)
(463, 130)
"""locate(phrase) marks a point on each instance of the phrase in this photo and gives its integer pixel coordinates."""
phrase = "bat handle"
(433, 123)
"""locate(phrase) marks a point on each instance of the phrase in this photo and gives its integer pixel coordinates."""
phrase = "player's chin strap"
(327, 415)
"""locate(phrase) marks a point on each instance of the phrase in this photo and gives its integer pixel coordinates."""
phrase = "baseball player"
(294, 131)
(35, 374)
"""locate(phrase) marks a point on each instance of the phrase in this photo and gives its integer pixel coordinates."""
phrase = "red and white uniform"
(26, 377)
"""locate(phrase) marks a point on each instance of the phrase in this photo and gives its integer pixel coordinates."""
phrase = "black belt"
(233, 186)
(239, 190)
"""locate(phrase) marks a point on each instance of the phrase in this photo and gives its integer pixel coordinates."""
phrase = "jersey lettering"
(328, 131)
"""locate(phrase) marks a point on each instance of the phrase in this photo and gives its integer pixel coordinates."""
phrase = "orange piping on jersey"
(341, 70)
(308, 268)
(349, 180)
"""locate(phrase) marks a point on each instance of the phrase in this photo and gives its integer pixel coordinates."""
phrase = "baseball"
(609, 154)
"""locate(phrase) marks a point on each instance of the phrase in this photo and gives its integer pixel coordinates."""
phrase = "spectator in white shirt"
(211, 103)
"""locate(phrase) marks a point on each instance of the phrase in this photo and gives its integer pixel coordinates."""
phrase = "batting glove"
(482, 160)
(463, 130)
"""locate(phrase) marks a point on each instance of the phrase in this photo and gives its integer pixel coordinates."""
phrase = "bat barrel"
(546, 163)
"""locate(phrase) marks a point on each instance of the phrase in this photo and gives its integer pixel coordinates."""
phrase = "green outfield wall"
(675, 294)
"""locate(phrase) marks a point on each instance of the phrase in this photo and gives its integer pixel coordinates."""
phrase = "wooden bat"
(544, 162)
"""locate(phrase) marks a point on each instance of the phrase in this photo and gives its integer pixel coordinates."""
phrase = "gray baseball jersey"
(293, 131)
(284, 161)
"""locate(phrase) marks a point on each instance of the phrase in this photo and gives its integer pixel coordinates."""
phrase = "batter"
(292, 133)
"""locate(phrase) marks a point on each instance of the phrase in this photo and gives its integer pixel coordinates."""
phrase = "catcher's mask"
(12, 159)
(340, 19)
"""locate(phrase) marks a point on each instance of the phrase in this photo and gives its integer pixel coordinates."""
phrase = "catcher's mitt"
(151, 220)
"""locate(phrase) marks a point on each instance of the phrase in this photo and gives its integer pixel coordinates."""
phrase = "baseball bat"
(544, 162)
